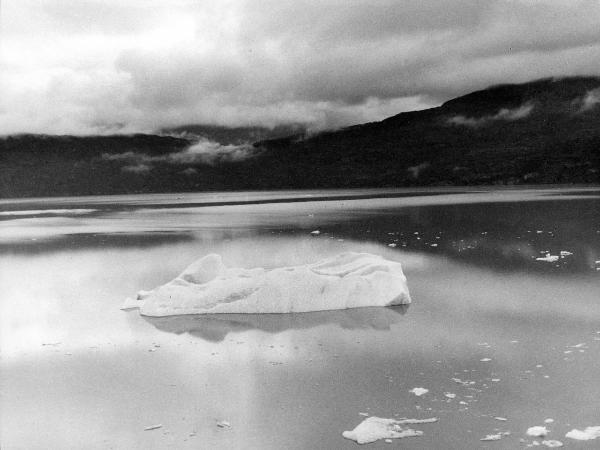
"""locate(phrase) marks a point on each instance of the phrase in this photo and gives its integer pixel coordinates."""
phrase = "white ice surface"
(418, 391)
(549, 258)
(552, 443)
(537, 431)
(375, 428)
(586, 435)
(491, 437)
(349, 280)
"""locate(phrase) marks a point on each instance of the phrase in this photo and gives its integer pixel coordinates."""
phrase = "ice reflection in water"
(216, 327)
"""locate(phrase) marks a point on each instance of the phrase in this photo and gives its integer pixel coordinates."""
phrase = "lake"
(503, 331)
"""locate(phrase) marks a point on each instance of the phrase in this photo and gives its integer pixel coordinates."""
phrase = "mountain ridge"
(543, 131)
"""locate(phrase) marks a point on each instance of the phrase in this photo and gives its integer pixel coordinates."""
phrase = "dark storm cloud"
(324, 63)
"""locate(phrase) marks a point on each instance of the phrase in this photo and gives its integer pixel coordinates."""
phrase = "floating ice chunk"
(464, 383)
(549, 421)
(586, 435)
(316, 232)
(549, 258)
(349, 280)
(417, 421)
(153, 427)
(537, 431)
(503, 419)
(492, 437)
(449, 395)
(565, 253)
(418, 391)
(552, 443)
(485, 359)
(223, 424)
(375, 428)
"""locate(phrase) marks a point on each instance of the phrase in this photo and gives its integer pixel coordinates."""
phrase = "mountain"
(544, 131)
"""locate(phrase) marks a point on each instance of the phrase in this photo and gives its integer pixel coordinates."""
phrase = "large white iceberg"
(350, 280)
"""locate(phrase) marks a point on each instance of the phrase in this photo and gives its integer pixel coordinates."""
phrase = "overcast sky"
(98, 66)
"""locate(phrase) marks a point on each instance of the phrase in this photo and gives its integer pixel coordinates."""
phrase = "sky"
(122, 66)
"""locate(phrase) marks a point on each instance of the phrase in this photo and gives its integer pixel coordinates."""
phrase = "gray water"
(77, 372)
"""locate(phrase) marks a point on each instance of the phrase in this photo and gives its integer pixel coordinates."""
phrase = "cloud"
(415, 171)
(590, 101)
(504, 114)
(209, 152)
(110, 66)
(202, 152)
(140, 168)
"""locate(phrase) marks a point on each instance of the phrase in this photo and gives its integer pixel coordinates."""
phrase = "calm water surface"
(509, 335)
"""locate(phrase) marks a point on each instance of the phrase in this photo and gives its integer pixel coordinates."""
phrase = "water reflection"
(62, 242)
(216, 327)
(506, 230)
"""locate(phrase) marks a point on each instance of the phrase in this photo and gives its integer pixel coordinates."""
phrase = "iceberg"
(588, 434)
(207, 286)
(375, 428)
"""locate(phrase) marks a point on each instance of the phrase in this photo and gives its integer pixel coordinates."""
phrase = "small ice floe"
(584, 435)
(418, 391)
(315, 232)
(374, 428)
(485, 359)
(391, 245)
(549, 258)
(463, 382)
(549, 421)
(153, 427)
(564, 253)
(537, 431)
(363, 414)
(502, 419)
(491, 437)
(449, 395)
(552, 443)
(223, 424)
